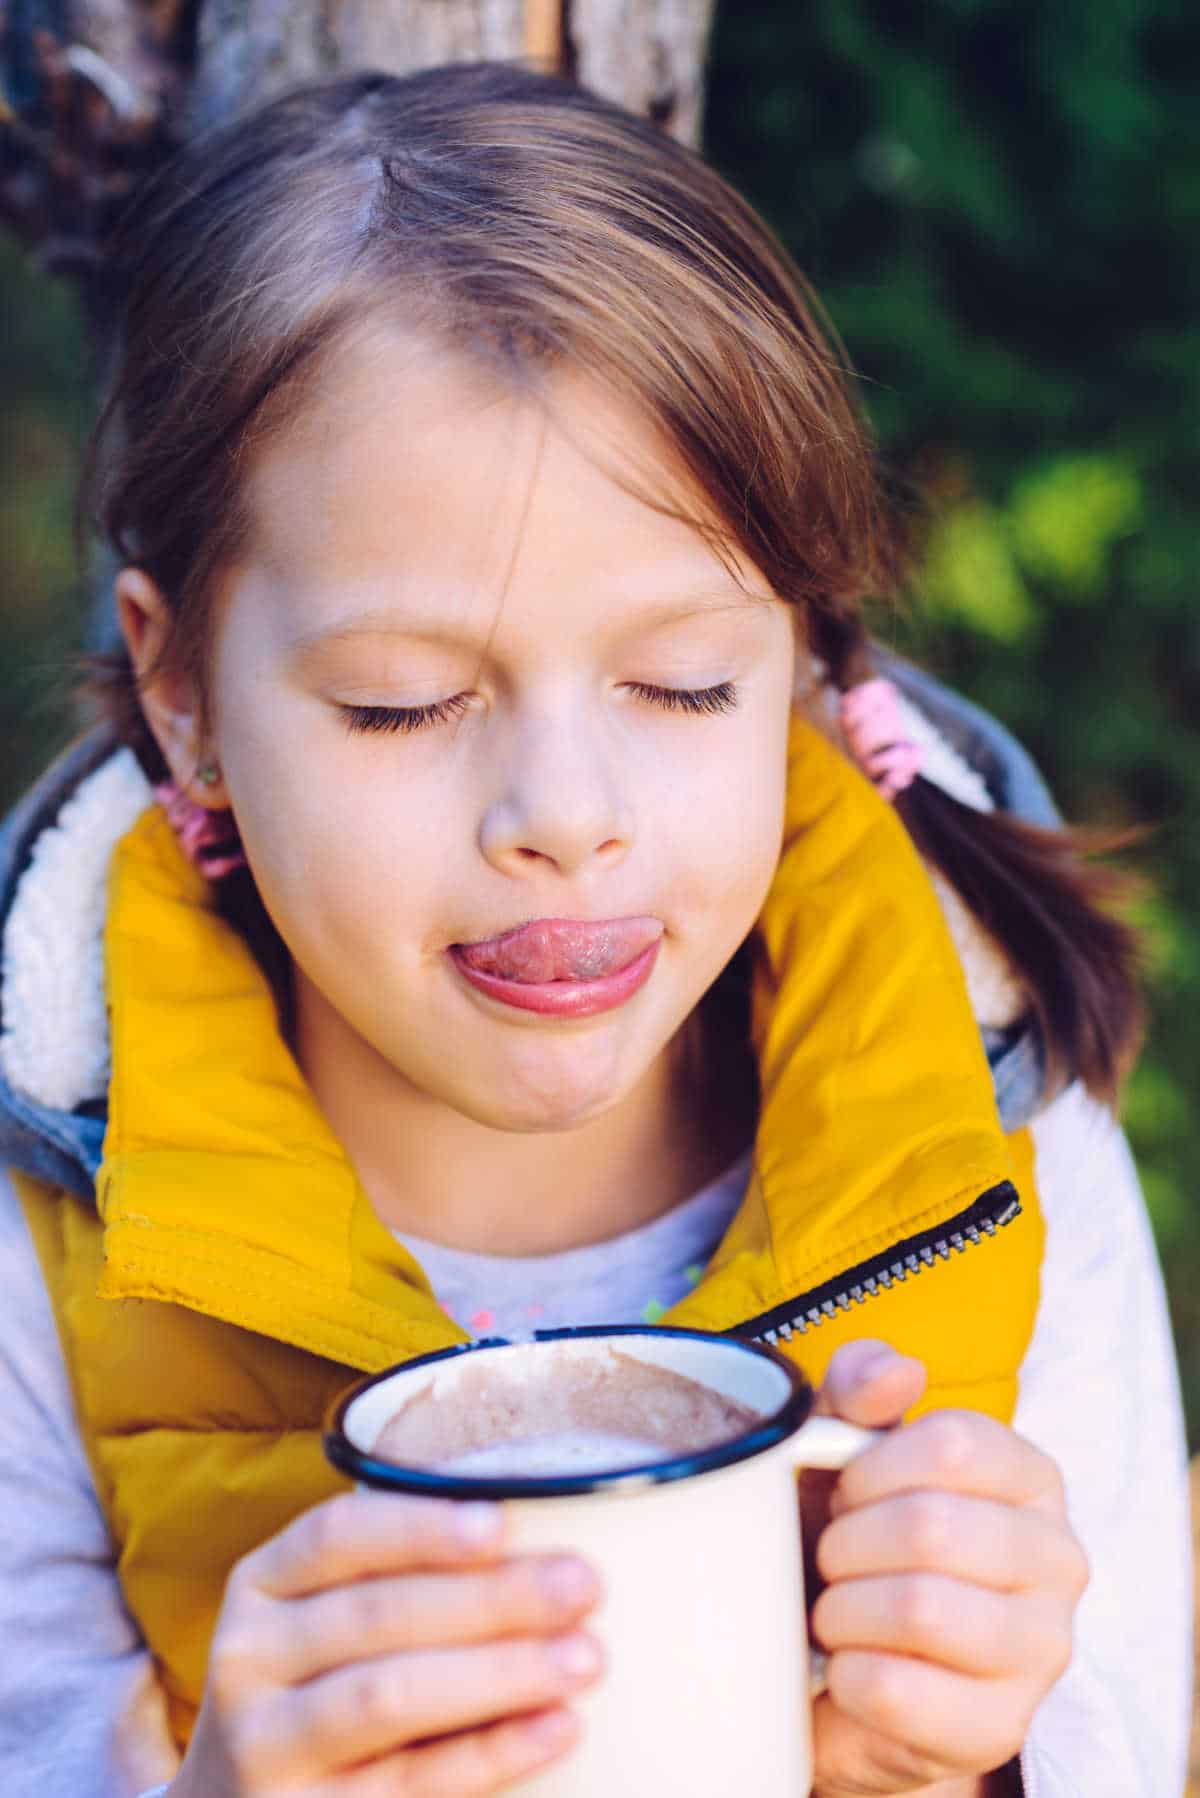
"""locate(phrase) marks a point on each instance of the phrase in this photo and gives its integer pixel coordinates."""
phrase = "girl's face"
(463, 682)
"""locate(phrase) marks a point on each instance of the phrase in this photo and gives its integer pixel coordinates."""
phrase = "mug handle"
(828, 1443)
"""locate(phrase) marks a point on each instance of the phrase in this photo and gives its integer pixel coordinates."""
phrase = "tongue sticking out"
(561, 949)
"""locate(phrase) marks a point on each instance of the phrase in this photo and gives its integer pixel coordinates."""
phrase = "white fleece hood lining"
(54, 1047)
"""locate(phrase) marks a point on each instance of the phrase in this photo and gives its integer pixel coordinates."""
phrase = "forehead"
(411, 474)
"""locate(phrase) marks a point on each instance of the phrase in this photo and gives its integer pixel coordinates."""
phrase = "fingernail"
(476, 1524)
(578, 1657)
(568, 1582)
(876, 1365)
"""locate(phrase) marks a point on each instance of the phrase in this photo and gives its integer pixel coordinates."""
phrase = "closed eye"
(703, 700)
(404, 717)
(699, 701)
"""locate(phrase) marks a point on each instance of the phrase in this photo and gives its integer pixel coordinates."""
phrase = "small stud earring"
(208, 774)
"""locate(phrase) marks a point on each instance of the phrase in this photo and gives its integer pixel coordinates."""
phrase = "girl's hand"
(384, 1644)
(953, 1578)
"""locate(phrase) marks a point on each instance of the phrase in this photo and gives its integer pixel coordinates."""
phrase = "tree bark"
(647, 54)
(248, 50)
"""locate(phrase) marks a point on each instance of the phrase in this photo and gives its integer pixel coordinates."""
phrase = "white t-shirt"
(81, 1713)
(631, 1279)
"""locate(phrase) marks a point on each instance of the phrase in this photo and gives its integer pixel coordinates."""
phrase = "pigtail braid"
(1041, 893)
(1055, 911)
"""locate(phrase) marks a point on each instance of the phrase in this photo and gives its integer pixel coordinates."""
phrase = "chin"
(545, 1116)
(559, 1100)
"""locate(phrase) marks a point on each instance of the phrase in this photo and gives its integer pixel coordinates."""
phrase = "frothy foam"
(547, 1409)
(559, 1452)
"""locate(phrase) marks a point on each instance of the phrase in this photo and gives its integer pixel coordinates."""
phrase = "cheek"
(751, 842)
(330, 841)
(725, 827)
(337, 865)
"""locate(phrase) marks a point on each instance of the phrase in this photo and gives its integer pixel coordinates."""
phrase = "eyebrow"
(377, 621)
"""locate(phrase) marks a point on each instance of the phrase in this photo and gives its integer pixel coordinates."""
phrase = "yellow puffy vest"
(233, 1277)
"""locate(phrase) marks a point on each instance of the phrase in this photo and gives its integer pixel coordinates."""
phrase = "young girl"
(472, 922)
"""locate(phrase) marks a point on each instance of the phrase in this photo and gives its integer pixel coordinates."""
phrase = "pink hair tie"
(209, 839)
(875, 735)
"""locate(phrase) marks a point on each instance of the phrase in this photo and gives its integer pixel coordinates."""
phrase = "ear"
(168, 696)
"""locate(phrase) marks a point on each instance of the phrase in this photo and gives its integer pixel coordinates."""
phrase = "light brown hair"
(520, 220)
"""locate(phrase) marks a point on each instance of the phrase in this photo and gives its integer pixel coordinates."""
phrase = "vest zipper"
(998, 1206)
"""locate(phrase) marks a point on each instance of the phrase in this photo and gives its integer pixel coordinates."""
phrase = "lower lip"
(565, 998)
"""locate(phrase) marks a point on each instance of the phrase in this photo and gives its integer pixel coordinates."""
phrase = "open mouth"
(563, 966)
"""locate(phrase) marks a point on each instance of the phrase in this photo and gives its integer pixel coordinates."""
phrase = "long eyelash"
(404, 717)
(706, 700)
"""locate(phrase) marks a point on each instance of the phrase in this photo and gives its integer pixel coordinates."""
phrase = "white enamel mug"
(708, 1678)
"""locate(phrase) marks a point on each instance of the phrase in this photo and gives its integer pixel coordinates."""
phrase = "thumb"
(869, 1382)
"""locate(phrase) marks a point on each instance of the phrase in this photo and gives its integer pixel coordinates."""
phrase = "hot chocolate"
(586, 1408)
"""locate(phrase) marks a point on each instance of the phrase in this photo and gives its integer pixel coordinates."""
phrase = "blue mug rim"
(388, 1476)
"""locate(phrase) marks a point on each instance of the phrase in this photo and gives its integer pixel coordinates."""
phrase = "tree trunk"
(648, 54)
(248, 50)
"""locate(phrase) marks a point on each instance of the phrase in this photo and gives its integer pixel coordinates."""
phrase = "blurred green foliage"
(999, 206)
(46, 410)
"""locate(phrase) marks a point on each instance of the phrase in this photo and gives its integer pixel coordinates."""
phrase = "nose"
(559, 806)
